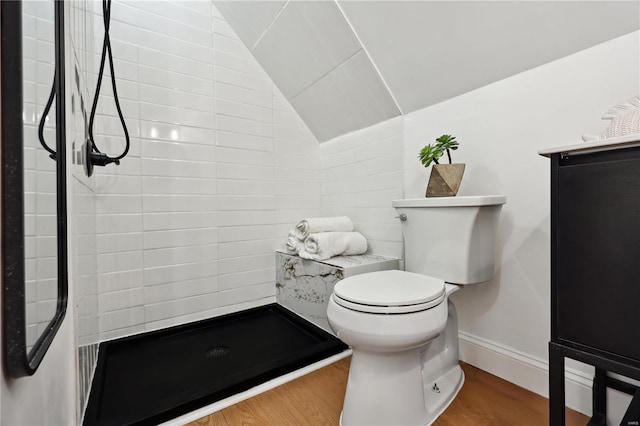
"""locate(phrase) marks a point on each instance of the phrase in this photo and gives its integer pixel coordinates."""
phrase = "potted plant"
(445, 179)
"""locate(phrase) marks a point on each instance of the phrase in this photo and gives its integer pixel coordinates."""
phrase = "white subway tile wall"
(82, 207)
(220, 169)
(362, 172)
(297, 172)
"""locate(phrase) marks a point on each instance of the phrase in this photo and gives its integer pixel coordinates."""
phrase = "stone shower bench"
(305, 286)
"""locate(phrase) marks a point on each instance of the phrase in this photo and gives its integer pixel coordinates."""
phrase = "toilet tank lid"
(466, 201)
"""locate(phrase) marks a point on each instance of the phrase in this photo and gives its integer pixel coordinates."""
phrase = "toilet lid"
(389, 292)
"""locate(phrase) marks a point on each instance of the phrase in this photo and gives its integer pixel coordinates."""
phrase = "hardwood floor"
(316, 399)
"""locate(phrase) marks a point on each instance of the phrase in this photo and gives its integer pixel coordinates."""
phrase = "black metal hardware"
(95, 158)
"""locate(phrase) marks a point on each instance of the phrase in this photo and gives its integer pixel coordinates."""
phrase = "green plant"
(432, 152)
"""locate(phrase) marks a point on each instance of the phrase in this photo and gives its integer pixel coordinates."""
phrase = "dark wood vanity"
(595, 270)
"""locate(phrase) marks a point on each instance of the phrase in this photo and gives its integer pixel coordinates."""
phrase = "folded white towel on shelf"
(294, 245)
(314, 225)
(322, 246)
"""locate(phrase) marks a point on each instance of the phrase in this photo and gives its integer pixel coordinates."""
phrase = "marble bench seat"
(304, 286)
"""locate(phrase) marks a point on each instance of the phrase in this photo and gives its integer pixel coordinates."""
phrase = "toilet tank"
(451, 238)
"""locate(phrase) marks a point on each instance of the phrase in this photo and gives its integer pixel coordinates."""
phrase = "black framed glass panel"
(34, 259)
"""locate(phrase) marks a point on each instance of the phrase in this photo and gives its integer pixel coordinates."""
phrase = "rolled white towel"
(294, 245)
(314, 225)
(323, 245)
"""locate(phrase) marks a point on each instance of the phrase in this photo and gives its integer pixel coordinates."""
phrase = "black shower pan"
(153, 377)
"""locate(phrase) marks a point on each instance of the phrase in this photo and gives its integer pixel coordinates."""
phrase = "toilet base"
(438, 399)
(449, 384)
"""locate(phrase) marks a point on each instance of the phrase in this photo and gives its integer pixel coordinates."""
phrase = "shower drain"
(216, 352)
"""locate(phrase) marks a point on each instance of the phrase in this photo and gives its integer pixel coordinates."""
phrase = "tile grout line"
(364, 49)
(275, 18)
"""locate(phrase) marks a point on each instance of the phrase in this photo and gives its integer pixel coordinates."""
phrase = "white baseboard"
(532, 374)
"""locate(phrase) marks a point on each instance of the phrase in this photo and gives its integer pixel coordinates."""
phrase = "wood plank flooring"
(316, 399)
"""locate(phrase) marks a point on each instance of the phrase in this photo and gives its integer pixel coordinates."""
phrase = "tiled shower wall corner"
(218, 169)
(361, 173)
(82, 203)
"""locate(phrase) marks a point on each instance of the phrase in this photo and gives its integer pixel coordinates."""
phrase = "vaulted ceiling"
(345, 65)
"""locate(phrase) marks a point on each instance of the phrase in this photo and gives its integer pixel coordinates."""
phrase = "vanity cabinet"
(595, 269)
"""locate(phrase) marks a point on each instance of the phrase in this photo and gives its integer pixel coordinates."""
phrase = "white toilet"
(402, 327)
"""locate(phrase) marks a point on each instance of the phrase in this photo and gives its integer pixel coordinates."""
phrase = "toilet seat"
(389, 292)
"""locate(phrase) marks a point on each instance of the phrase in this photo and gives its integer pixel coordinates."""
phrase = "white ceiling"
(250, 19)
(348, 98)
(306, 42)
(347, 65)
(430, 51)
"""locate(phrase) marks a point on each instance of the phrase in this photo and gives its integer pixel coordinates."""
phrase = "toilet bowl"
(389, 318)
(388, 311)
(401, 325)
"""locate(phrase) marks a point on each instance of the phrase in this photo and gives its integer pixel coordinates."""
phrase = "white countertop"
(594, 146)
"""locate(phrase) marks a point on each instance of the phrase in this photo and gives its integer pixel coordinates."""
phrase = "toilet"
(401, 325)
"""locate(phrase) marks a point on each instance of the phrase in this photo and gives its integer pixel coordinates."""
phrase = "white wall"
(501, 127)
(505, 323)
(47, 397)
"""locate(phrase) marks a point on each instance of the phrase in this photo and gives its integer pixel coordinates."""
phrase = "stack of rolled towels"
(320, 238)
